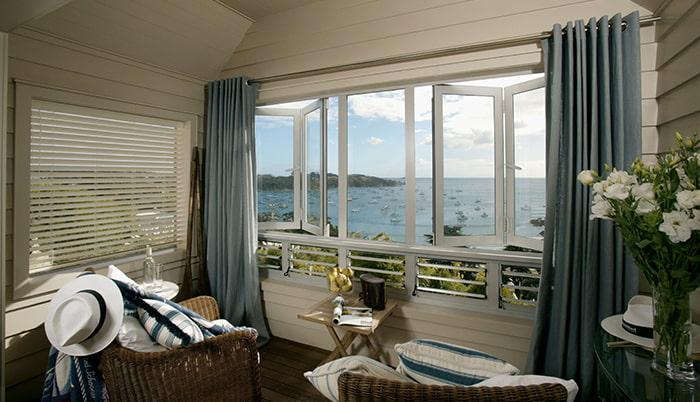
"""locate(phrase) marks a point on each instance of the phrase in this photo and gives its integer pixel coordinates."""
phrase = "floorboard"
(282, 366)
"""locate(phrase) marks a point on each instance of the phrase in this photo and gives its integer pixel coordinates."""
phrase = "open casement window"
(313, 168)
(525, 163)
(277, 131)
(468, 157)
(291, 166)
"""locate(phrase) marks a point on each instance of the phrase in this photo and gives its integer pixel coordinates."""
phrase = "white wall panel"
(54, 63)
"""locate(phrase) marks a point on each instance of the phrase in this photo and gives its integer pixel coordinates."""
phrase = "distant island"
(268, 182)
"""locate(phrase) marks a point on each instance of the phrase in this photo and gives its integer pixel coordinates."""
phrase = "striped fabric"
(168, 326)
(439, 363)
(325, 377)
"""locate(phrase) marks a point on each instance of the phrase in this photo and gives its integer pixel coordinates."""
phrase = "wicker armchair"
(358, 387)
(222, 368)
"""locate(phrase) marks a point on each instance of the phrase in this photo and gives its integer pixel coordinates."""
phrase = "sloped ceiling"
(194, 37)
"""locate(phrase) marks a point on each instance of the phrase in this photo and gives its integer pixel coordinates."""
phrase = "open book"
(358, 316)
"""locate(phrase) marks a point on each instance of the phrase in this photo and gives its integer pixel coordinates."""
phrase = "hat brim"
(113, 318)
(613, 326)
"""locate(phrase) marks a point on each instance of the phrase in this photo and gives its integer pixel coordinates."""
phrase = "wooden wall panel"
(678, 46)
(54, 63)
(335, 33)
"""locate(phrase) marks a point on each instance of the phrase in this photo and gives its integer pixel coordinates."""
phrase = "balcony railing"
(484, 279)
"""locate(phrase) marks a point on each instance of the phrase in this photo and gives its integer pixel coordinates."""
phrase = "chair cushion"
(132, 335)
(439, 363)
(325, 377)
(168, 326)
(513, 380)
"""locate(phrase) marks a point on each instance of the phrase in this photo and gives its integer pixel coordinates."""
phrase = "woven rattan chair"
(222, 368)
(357, 387)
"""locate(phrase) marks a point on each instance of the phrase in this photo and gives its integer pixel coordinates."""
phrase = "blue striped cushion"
(168, 326)
(439, 363)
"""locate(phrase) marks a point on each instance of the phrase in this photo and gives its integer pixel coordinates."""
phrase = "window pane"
(312, 127)
(274, 147)
(424, 164)
(332, 162)
(529, 142)
(376, 166)
(469, 182)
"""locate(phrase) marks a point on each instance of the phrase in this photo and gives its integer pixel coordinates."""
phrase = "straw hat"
(84, 316)
(636, 325)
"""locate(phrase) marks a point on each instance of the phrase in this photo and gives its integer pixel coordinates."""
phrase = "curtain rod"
(532, 38)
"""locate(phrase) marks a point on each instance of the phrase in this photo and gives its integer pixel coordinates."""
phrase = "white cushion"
(512, 380)
(168, 326)
(115, 273)
(325, 377)
(132, 335)
(439, 363)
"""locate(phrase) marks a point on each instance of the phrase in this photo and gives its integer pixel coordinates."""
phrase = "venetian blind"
(103, 185)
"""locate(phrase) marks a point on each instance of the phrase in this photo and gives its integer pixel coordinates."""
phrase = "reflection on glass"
(274, 152)
(376, 166)
(529, 130)
(469, 183)
(312, 125)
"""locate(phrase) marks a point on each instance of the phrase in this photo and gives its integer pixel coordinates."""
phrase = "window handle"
(515, 167)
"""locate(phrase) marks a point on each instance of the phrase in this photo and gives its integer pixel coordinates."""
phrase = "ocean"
(468, 205)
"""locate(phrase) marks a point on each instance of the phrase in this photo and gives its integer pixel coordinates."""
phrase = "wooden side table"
(322, 313)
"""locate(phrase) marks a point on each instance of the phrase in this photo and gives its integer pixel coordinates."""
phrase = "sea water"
(469, 204)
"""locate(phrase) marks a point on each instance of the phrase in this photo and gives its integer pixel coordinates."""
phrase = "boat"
(355, 210)
(484, 215)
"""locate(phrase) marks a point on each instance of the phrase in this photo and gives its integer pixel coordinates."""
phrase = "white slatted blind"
(103, 185)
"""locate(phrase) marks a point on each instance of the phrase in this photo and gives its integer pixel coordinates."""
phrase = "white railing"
(491, 280)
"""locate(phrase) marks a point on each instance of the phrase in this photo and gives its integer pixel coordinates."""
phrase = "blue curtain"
(230, 210)
(593, 113)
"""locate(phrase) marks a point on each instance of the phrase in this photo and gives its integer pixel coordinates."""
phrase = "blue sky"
(376, 134)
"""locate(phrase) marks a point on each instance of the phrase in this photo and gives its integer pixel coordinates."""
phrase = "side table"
(625, 374)
(322, 313)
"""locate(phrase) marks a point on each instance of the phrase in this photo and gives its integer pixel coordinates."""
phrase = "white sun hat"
(636, 325)
(84, 316)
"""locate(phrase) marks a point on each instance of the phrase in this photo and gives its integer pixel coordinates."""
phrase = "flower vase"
(673, 346)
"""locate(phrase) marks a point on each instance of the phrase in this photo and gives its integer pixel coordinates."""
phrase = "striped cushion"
(439, 363)
(168, 326)
(325, 377)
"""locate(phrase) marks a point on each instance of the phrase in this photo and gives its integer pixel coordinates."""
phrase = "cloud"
(380, 105)
(374, 140)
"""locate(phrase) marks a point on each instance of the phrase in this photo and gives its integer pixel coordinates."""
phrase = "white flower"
(645, 206)
(622, 177)
(688, 199)
(617, 191)
(586, 177)
(601, 208)
(599, 187)
(677, 225)
(644, 191)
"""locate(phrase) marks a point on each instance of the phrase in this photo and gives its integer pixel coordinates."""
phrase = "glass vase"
(673, 345)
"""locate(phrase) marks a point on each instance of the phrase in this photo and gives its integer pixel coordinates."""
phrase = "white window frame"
(509, 92)
(438, 165)
(295, 169)
(24, 284)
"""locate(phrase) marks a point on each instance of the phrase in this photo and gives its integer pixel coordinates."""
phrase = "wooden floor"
(282, 365)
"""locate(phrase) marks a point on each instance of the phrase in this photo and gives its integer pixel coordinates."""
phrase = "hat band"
(644, 332)
(103, 311)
